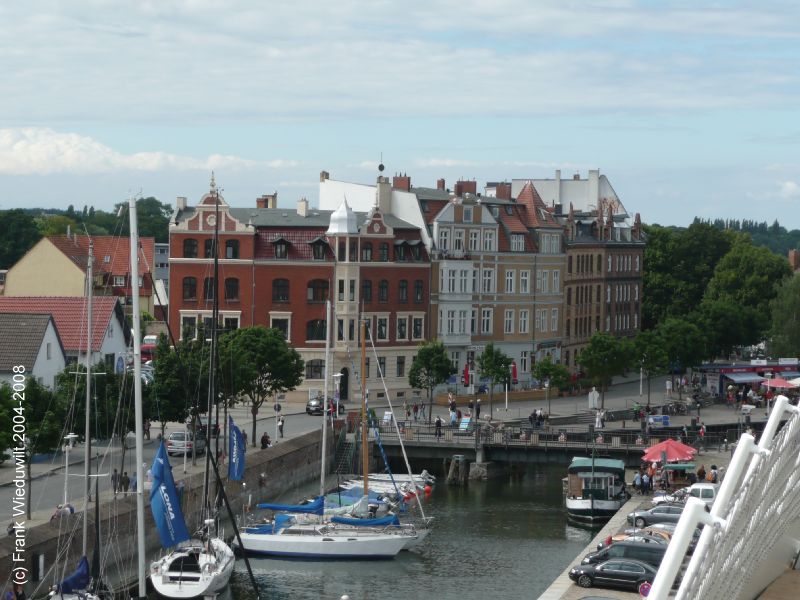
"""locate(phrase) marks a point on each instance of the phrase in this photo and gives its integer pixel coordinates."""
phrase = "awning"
(744, 377)
(789, 374)
(679, 466)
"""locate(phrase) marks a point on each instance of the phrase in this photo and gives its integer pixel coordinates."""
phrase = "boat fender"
(428, 490)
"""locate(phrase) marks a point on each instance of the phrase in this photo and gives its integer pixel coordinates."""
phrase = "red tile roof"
(116, 249)
(69, 314)
(536, 211)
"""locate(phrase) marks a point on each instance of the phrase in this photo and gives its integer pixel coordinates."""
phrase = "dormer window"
(509, 210)
(318, 246)
(495, 211)
(467, 214)
(281, 246)
(107, 258)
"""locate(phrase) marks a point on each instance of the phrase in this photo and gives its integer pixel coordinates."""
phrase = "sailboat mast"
(87, 440)
(137, 396)
(325, 396)
(364, 429)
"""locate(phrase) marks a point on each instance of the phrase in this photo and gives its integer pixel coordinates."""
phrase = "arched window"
(384, 249)
(232, 249)
(383, 291)
(208, 248)
(190, 248)
(403, 290)
(366, 252)
(317, 290)
(190, 288)
(366, 290)
(231, 288)
(315, 369)
(280, 290)
(315, 330)
(208, 288)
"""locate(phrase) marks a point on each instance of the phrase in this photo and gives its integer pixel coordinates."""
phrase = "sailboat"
(339, 538)
(201, 566)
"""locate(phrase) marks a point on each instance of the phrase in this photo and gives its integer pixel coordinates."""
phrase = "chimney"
(576, 177)
(557, 199)
(383, 195)
(302, 207)
(267, 201)
(466, 187)
(594, 186)
(180, 202)
(503, 191)
(440, 184)
(323, 175)
(402, 182)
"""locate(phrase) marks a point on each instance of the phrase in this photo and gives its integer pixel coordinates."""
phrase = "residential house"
(30, 345)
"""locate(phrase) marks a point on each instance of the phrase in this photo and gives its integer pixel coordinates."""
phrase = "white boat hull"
(314, 542)
(213, 572)
(587, 509)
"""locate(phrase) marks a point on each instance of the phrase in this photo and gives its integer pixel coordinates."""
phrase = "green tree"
(649, 354)
(56, 225)
(18, 234)
(257, 362)
(556, 374)
(495, 365)
(725, 325)
(683, 342)
(785, 312)
(431, 367)
(604, 357)
(172, 390)
(153, 218)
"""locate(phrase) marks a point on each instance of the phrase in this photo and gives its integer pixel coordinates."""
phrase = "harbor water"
(506, 538)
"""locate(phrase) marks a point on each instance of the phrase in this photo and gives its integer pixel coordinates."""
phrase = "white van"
(150, 339)
(707, 492)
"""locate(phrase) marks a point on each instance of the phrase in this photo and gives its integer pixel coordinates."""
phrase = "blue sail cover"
(381, 522)
(235, 452)
(164, 502)
(312, 508)
(358, 492)
(78, 580)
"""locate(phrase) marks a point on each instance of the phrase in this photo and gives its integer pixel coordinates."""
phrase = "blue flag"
(235, 452)
(164, 502)
(78, 580)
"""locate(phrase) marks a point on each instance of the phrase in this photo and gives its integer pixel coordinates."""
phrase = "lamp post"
(70, 440)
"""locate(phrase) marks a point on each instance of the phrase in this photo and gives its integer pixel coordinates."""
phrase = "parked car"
(617, 572)
(150, 339)
(707, 492)
(182, 442)
(314, 406)
(639, 536)
(649, 553)
(201, 424)
(668, 512)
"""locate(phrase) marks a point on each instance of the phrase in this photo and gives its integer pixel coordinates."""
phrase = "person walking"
(147, 428)
(125, 482)
(115, 482)
(438, 427)
(701, 473)
(637, 482)
(477, 409)
(264, 441)
(280, 425)
(415, 409)
(645, 484)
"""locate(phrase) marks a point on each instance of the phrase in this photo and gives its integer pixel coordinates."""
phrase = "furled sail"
(314, 508)
(381, 522)
(236, 451)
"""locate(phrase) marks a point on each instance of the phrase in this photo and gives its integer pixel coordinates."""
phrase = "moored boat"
(595, 488)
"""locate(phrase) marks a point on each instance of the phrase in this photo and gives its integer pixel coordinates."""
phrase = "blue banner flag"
(164, 502)
(235, 452)
(78, 580)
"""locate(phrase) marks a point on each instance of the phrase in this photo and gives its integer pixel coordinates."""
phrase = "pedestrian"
(125, 482)
(478, 409)
(685, 432)
(598, 423)
(17, 593)
(602, 418)
(701, 473)
(452, 417)
(637, 482)
(702, 433)
(713, 475)
(133, 483)
(533, 419)
(264, 441)
(244, 439)
(438, 427)
(422, 411)
(645, 484)
(415, 409)
(147, 428)
(280, 425)
(115, 482)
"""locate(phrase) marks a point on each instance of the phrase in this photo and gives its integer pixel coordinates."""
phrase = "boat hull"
(208, 580)
(310, 545)
(586, 509)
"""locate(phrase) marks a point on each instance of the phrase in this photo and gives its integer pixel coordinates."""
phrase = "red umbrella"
(513, 371)
(675, 450)
(778, 382)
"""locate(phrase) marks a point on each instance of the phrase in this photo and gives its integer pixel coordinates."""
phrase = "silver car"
(663, 513)
(182, 442)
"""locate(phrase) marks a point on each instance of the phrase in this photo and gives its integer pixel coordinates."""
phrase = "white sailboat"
(196, 567)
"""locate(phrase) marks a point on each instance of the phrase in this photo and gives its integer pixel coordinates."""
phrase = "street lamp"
(70, 440)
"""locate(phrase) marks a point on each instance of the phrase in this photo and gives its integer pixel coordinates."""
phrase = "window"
(474, 240)
(402, 328)
(538, 280)
(545, 281)
(486, 320)
(351, 329)
(317, 290)
(463, 281)
(524, 282)
(636, 264)
(353, 257)
(280, 290)
(444, 239)
(230, 323)
(231, 288)
(451, 322)
(208, 248)
(508, 322)
(608, 323)
(383, 291)
(119, 280)
(315, 330)
(208, 288)
(556, 281)
(188, 328)
(569, 296)
(403, 289)
(462, 322)
(523, 321)
(400, 252)
(401, 366)
(341, 290)
(190, 248)
(609, 264)
(488, 281)
(467, 218)
(510, 277)
(366, 290)
(416, 328)
(554, 319)
(50, 350)
(488, 241)
(366, 252)
(451, 280)
(232, 249)
(517, 242)
(416, 252)
(384, 252)
(608, 293)
(636, 292)
(315, 369)
(523, 361)
(281, 250)
(382, 366)
(383, 328)
(281, 324)
(473, 325)
(352, 291)
(318, 251)
(458, 240)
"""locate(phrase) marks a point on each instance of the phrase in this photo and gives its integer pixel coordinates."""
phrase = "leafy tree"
(431, 367)
(556, 374)
(785, 311)
(649, 354)
(683, 342)
(18, 234)
(494, 364)
(56, 225)
(726, 325)
(604, 357)
(258, 362)
(6, 422)
(172, 388)
(153, 218)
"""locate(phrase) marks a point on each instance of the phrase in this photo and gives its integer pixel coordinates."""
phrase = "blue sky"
(690, 108)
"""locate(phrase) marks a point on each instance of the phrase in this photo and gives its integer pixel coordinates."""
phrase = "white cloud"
(443, 162)
(42, 151)
(790, 189)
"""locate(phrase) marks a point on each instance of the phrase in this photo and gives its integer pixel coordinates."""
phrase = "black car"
(652, 554)
(618, 573)
(314, 407)
(200, 424)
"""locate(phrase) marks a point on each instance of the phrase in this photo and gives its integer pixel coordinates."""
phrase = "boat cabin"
(599, 478)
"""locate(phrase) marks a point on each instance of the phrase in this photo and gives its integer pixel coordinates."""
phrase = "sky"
(690, 108)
